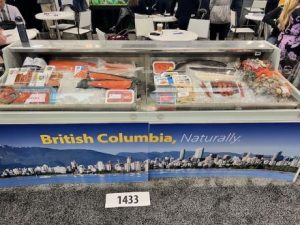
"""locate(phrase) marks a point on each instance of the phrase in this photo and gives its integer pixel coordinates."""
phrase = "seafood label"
(36, 98)
(11, 77)
(49, 70)
(127, 199)
(115, 96)
(38, 79)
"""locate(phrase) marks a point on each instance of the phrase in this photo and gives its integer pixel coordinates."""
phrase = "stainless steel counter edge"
(250, 116)
(95, 46)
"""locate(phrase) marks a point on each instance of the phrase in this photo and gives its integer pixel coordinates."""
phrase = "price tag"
(36, 98)
(127, 199)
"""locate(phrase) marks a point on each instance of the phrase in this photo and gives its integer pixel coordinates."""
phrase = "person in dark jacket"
(237, 6)
(271, 19)
(144, 7)
(164, 6)
(184, 11)
(271, 5)
(80, 5)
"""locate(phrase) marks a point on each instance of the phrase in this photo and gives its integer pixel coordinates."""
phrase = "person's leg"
(168, 6)
(223, 30)
(183, 23)
(272, 40)
(213, 31)
(47, 8)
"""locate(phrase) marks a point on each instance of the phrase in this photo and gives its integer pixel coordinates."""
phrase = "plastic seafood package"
(25, 76)
(69, 65)
(255, 65)
(26, 95)
(271, 85)
(264, 81)
(68, 93)
(214, 73)
(173, 88)
(222, 90)
(34, 63)
(160, 67)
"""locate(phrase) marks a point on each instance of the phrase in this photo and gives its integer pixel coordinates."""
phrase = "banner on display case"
(72, 153)
(265, 150)
(136, 152)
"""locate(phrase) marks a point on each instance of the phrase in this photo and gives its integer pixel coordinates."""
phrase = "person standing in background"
(47, 6)
(164, 6)
(219, 18)
(184, 11)
(237, 6)
(271, 18)
(271, 5)
(289, 38)
(80, 5)
(8, 12)
(141, 7)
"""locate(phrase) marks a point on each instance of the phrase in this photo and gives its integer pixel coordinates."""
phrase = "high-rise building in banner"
(182, 154)
(100, 166)
(129, 160)
(277, 157)
(198, 153)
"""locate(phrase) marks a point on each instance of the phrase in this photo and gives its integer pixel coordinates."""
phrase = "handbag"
(220, 12)
(122, 35)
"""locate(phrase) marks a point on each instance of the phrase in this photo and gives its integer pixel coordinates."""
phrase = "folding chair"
(237, 30)
(83, 23)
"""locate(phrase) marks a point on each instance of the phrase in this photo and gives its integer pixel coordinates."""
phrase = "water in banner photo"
(75, 153)
(261, 150)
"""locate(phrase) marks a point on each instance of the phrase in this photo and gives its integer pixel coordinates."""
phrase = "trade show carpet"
(174, 201)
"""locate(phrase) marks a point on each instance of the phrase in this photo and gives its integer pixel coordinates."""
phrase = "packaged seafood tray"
(82, 93)
(160, 67)
(29, 77)
(224, 88)
(14, 97)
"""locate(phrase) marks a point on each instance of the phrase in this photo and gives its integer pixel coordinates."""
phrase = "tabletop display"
(109, 2)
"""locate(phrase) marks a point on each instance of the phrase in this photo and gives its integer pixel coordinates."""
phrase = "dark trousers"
(164, 6)
(183, 22)
(221, 29)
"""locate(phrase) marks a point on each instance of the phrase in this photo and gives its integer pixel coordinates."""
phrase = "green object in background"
(109, 2)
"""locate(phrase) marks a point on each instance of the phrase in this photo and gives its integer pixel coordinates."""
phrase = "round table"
(55, 16)
(174, 35)
(262, 26)
(13, 35)
(163, 19)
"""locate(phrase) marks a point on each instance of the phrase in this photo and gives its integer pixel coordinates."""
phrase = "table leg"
(266, 31)
(260, 30)
(57, 30)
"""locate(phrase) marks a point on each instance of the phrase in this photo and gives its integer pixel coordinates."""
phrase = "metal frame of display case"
(15, 53)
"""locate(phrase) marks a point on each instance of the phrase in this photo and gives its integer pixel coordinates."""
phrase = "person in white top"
(8, 12)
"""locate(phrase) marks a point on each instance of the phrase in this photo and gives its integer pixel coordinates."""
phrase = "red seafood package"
(119, 96)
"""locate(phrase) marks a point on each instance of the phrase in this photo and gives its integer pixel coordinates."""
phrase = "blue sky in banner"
(263, 138)
(29, 136)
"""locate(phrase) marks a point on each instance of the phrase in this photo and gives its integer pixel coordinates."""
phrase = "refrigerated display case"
(143, 81)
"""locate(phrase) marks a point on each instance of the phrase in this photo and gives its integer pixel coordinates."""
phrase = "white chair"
(143, 26)
(140, 16)
(84, 25)
(65, 26)
(238, 30)
(257, 6)
(200, 27)
(100, 34)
